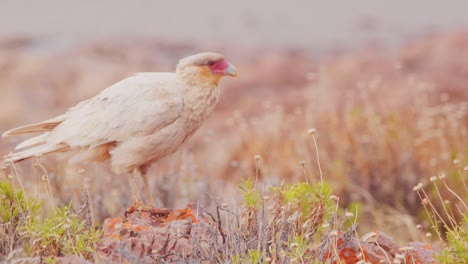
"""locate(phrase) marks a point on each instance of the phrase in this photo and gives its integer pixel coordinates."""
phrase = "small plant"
(298, 211)
(298, 248)
(456, 250)
(23, 229)
(252, 256)
(455, 238)
(251, 196)
(61, 234)
(15, 210)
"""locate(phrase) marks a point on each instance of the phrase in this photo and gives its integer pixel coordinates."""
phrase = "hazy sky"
(300, 23)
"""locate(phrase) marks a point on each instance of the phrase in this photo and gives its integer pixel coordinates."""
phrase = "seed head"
(417, 187)
(349, 214)
(257, 157)
(45, 178)
(441, 176)
(311, 131)
(302, 162)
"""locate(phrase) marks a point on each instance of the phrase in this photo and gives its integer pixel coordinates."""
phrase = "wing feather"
(137, 106)
(38, 127)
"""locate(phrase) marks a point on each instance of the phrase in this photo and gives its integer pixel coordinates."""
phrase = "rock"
(374, 247)
(151, 235)
(420, 253)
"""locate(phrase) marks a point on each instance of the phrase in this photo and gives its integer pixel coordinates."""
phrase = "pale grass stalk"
(463, 179)
(335, 227)
(452, 216)
(383, 251)
(236, 218)
(432, 217)
(15, 171)
(46, 178)
(356, 234)
(456, 195)
(335, 237)
(335, 245)
(35, 165)
(434, 209)
(88, 194)
(260, 224)
(302, 259)
(451, 220)
(3, 170)
(228, 236)
(318, 159)
(304, 170)
(70, 238)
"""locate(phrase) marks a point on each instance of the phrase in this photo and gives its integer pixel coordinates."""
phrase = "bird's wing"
(38, 127)
(137, 106)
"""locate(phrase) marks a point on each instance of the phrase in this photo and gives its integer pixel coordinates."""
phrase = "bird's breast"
(198, 105)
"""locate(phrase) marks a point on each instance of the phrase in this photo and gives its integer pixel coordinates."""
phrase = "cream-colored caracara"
(134, 122)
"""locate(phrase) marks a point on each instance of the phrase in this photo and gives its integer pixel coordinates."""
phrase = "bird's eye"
(210, 63)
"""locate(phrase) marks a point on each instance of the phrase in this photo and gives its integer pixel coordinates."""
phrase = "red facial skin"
(219, 67)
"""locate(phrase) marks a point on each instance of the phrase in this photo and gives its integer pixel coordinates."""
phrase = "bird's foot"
(138, 206)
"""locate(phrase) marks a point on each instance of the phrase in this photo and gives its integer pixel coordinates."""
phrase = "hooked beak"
(230, 70)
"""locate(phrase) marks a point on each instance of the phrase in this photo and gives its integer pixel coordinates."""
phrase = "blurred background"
(385, 84)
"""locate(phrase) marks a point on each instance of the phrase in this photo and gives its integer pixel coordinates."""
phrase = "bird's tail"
(35, 146)
(33, 152)
(44, 126)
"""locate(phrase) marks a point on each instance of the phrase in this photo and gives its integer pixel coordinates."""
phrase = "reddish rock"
(148, 236)
(375, 247)
(421, 253)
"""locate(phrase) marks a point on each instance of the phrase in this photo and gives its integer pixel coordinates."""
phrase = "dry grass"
(384, 121)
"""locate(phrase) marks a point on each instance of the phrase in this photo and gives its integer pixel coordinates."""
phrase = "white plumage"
(134, 122)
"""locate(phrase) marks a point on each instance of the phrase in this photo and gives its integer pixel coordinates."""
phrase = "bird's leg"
(135, 192)
(144, 178)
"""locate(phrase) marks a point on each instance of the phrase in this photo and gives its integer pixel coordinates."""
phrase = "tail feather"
(38, 127)
(34, 152)
(41, 139)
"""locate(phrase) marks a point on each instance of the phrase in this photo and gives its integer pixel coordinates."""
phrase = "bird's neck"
(200, 95)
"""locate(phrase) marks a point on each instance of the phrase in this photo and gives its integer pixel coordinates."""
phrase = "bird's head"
(211, 66)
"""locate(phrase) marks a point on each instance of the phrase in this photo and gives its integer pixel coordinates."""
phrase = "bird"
(133, 123)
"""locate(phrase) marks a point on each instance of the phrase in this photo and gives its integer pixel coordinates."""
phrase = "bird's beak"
(230, 70)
